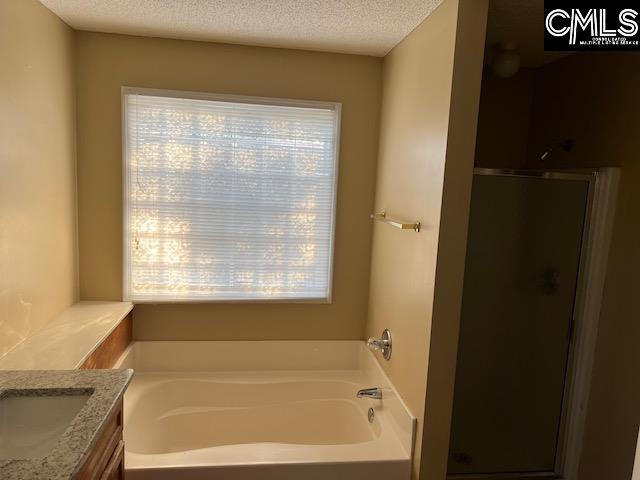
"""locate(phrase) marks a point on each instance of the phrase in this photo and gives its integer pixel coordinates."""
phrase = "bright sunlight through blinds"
(228, 198)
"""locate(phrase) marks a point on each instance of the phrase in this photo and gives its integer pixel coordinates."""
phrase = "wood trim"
(112, 347)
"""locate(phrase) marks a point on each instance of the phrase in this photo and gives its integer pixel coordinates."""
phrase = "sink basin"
(30, 425)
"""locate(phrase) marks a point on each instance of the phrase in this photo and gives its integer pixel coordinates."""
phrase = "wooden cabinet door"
(108, 449)
(115, 468)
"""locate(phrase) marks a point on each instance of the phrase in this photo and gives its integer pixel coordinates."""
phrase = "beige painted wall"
(503, 123)
(38, 260)
(107, 62)
(452, 242)
(600, 111)
(427, 133)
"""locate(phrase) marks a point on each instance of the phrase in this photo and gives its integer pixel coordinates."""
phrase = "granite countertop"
(75, 444)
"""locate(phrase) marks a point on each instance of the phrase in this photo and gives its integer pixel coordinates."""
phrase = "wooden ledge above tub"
(86, 335)
(107, 353)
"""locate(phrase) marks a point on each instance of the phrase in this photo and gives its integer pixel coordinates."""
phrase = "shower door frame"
(596, 239)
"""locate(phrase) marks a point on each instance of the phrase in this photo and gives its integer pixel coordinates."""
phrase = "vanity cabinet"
(106, 460)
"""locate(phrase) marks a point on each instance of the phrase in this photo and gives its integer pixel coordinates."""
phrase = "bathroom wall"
(600, 112)
(424, 173)
(503, 124)
(38, 260)
(107, 62)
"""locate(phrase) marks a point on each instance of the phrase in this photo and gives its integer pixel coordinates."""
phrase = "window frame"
(231, 98)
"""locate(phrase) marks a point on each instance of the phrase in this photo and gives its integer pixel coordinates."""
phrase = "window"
(228, 198)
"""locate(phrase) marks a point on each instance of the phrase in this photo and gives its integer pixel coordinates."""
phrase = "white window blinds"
(228, 198)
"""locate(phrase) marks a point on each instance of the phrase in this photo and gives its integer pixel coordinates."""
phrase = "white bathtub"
(261, 410)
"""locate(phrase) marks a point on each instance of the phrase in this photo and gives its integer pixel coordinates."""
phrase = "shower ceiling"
(520, 21)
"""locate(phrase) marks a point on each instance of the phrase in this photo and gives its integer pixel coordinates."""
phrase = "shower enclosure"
(535, 238)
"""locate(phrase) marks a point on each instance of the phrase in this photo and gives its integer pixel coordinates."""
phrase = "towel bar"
(382, 217)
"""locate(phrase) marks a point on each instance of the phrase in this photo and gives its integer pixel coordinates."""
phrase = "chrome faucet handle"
(383, 343)
(376, 343)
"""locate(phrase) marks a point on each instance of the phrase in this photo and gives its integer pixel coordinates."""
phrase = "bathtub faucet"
(383, 344)
(374, 392)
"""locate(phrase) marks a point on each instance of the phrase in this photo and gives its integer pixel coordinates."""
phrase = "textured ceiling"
(520, 21)
(369, 27)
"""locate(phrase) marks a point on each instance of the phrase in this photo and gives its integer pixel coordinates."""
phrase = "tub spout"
(375, 392)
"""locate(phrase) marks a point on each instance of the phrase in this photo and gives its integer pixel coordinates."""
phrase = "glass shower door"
(523, 257)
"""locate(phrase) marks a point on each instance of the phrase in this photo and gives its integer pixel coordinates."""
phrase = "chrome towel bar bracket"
(382, 217)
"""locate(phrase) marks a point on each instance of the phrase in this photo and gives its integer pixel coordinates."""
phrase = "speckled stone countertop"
(75, 444)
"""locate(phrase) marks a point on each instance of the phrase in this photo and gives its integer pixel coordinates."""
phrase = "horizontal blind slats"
(228, 200)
